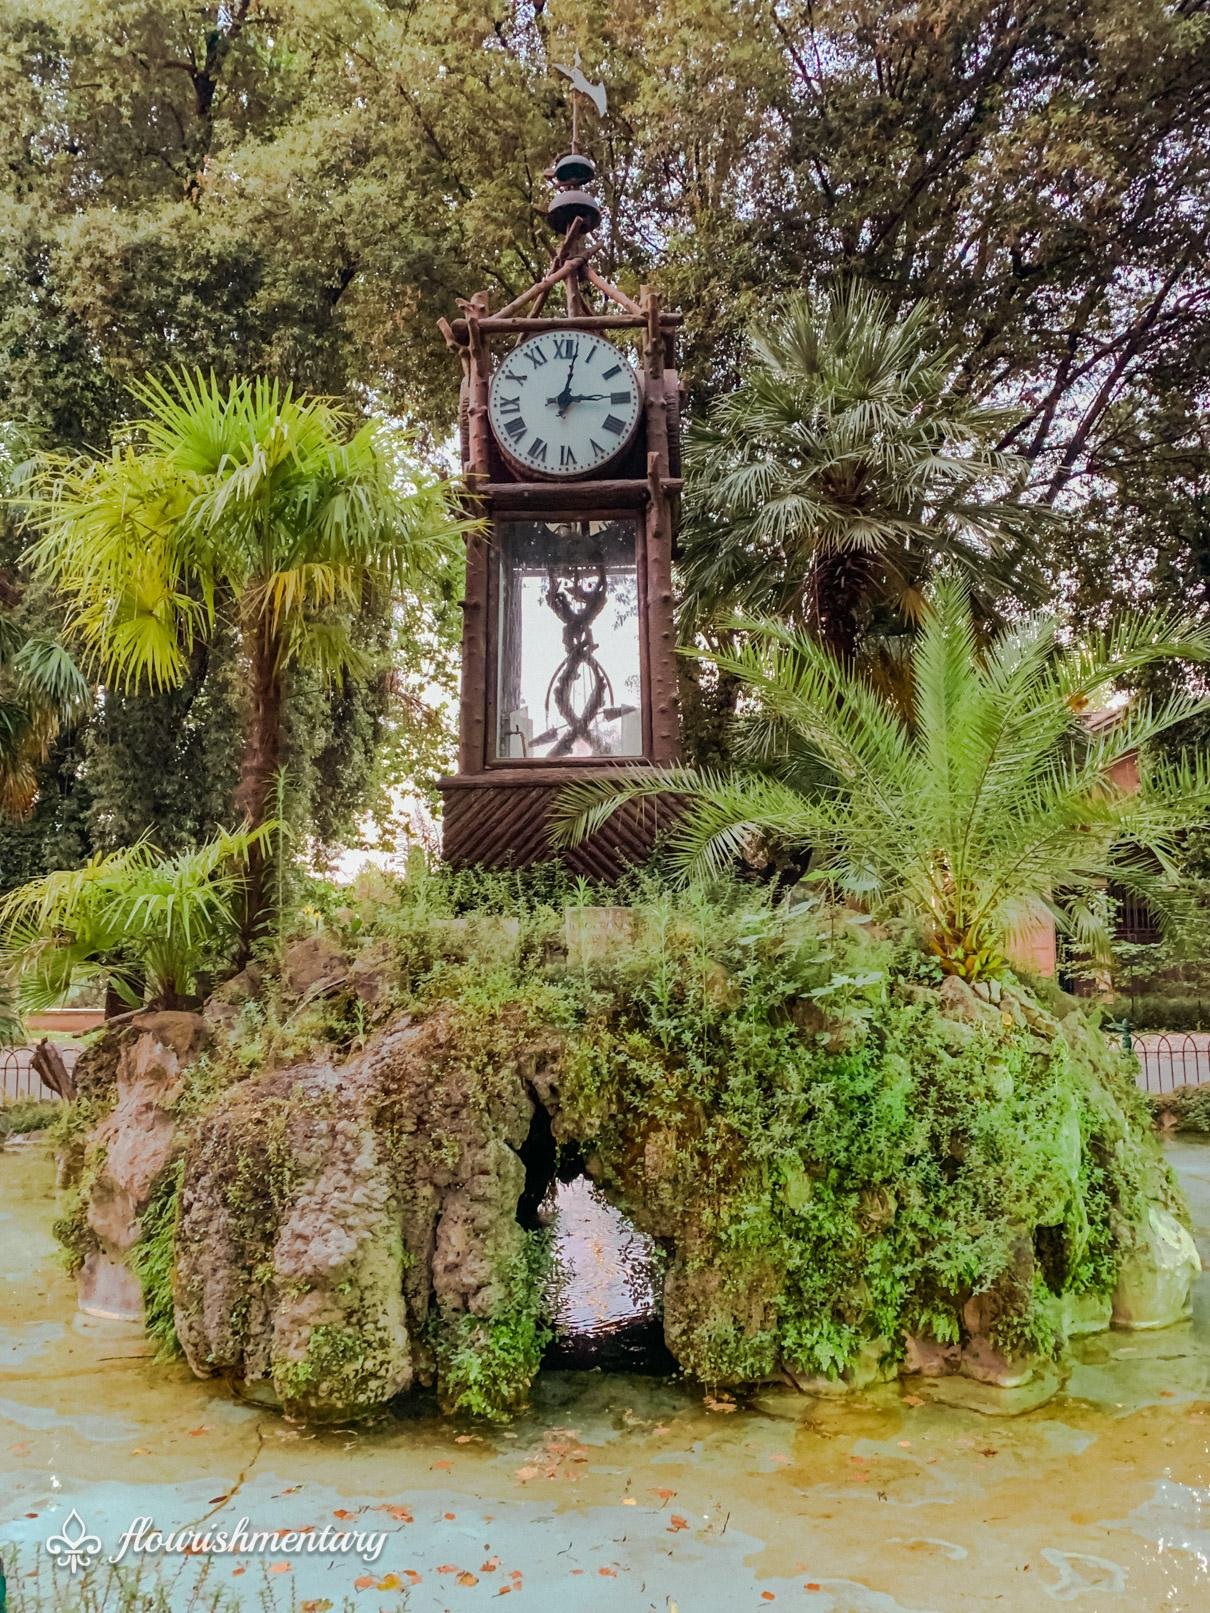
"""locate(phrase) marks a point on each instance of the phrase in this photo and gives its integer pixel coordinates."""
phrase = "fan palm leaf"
(847, 437)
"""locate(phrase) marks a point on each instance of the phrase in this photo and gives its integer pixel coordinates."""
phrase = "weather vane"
(580, 85)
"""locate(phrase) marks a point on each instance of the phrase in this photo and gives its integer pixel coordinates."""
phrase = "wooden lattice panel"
(506, 825)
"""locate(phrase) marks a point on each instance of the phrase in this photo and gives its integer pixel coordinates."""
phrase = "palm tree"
(993, 801)
(135, 920)
(841, 470)
(240, 499)
(41, 690)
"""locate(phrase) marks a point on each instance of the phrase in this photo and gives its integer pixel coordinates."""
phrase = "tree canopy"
(299, 188)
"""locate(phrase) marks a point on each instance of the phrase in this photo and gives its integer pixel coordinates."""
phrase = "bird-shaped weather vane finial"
(580, 85)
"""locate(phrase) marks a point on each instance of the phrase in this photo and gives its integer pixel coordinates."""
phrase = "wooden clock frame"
(496, 809)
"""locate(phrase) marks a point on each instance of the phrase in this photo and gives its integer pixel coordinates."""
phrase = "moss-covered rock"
(853, 1166)
(341, 1225)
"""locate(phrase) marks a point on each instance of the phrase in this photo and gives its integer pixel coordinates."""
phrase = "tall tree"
(246, 503)
(844, 466)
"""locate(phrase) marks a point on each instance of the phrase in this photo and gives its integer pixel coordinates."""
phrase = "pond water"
(616, 1491)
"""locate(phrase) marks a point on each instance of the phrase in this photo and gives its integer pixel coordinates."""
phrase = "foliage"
(137, 920)
(209, 188)
(847, 463)
(41, 690)
(244, 491)
(1185, 1109)
(277, 516)
(24, 1115)
(487, 1364)
(1170, 1010)
(151, 1260)
(992, 803)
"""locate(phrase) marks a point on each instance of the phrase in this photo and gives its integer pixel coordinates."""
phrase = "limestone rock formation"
(132, 1145)
(336, 1218)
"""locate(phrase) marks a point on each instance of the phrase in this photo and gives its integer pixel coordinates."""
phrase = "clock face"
(564, 403)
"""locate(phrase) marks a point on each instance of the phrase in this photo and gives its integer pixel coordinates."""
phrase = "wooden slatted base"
(501, 820)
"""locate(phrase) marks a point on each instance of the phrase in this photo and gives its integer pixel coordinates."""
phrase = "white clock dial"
(564, 403)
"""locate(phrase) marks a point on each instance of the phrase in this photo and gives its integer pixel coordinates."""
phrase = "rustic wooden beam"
(611, 291)
(630, 491)
(496, 325)
(661, 640)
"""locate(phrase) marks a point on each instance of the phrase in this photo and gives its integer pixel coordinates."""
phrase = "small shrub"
(24, 1115)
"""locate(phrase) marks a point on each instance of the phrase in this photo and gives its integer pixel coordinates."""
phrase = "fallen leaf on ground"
(665, 1495)
(195, 1432)
(767, 1596)
(490, 1566)
(912, 1400)
(527, 1473)
(448, 1568)
(390, 1582)
(443, 1464)
(364, 1583)
(629, 1501)
(676, 1522)
(321, 1605)
(279, 1568)
(720, 1405)
(467, 1578)
(608, 1573)
(340, 1512)
(401, 1514)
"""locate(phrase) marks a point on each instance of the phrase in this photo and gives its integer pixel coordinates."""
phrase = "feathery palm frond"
(131, 916)
(990, 803)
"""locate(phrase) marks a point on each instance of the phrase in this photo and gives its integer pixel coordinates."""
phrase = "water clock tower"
(571, 458)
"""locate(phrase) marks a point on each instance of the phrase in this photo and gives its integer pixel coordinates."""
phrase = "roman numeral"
(619, 397)
(536, 356)
(537, 450)
(567, 456)
(615, 369)
(565, 347)
(512, 405)
(516, 428)
(613, 424)
(596, 447)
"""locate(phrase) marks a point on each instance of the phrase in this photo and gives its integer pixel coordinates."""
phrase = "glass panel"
(568, 679)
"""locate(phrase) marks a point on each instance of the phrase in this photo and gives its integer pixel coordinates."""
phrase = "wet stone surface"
(618, 1491)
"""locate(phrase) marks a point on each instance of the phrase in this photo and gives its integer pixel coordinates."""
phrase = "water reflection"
(604, 1303)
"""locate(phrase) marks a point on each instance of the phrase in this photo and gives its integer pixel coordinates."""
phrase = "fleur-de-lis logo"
(73, 1546)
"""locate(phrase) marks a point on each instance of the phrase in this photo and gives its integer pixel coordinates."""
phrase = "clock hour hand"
(585, 397)
(563, 399)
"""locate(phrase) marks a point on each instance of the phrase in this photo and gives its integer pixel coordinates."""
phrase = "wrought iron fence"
(1169, 1061)
(19, 1079)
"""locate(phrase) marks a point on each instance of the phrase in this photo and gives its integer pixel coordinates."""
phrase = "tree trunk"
(48, 1063)
(842, 582)
(259, 765)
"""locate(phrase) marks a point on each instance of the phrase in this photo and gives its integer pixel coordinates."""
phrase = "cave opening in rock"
(603, 1293)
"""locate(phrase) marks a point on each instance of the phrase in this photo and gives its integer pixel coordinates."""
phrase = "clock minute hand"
(585, 397)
